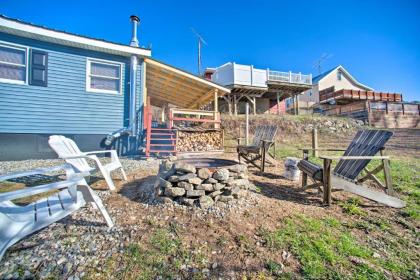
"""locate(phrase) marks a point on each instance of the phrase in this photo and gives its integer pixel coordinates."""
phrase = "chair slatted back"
(264, 132)
(365, 143)
(65, 147)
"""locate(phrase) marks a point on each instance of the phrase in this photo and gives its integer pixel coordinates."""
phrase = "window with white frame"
(339, 75)
(103, 76)
(13, 64)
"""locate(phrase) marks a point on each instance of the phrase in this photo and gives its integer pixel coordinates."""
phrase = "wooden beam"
(186, 74)
(202, 99)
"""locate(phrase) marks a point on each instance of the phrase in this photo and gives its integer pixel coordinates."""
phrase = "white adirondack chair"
(16, 221)
(68, 150)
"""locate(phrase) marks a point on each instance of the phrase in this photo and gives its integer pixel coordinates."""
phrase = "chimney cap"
(134, 18)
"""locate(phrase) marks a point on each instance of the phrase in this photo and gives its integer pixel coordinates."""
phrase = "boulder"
(218, 186)
(186, 186)
(195, 193)
(238, 168)
(174, 192)
(221, 174)
(187, 176)
(173, 179)
(205, 201)
(215, 193)
(195, 181)
(164, 200)
(184, 167)
(164, 184)
(187, 201)
(204, 173)
(205, 187)
(210, 181)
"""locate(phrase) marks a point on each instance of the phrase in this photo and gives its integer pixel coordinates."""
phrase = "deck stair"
(161, 141)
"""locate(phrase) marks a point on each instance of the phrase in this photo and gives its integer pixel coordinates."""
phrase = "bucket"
(291, 172)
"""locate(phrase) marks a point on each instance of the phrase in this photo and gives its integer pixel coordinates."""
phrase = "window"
(339, 75)
(13, 62)
(103, 76)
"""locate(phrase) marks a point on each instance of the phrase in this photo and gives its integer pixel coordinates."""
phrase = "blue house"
(91, 90)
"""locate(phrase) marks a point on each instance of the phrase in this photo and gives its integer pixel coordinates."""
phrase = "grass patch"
(352, 207)
(322, 247)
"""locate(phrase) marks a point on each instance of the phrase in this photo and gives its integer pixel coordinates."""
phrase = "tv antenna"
(200, 41)
(322, 59)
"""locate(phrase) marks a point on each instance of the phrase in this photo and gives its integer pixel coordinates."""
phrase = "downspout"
(132, 123)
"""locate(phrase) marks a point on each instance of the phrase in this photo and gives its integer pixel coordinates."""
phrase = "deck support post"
(278, 103)
(235, 105)
(315, 142)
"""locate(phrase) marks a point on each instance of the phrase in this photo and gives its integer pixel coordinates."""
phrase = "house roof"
(318, 78)
(169, 84)
(38, 32)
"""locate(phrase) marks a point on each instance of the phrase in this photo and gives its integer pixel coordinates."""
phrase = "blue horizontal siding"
(64, 106)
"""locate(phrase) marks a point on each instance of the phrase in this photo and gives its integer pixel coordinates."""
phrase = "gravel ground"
(129, 165)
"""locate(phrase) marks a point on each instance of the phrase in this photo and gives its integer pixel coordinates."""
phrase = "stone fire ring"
(201, 182)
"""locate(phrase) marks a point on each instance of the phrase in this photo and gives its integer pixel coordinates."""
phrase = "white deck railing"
(238, 74)
(289, 77)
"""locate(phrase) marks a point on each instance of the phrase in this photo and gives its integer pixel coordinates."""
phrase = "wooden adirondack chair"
(67, 149)
(16, 221)
(347, 173)
(264, 138)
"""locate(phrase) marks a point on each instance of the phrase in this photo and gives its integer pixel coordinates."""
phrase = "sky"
(378, 42)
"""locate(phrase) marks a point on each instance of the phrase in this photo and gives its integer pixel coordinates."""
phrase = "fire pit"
(201, 181)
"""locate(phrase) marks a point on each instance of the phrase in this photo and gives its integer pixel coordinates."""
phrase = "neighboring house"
(55, 82)
(337, 78)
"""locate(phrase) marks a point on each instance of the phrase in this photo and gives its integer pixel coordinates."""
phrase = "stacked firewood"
(200, 141)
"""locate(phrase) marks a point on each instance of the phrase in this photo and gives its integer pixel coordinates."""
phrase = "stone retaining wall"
(185, 184)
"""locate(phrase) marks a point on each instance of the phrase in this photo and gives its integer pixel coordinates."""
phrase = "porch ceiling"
(167, 84)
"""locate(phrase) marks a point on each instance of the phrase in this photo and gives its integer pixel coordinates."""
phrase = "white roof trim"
(350, 76)
(24, 29)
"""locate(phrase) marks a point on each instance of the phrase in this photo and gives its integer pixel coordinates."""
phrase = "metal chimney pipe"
(133, 70)
(134, 41)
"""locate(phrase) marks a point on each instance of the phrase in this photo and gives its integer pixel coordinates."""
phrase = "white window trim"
(108, 62)
(16, 47)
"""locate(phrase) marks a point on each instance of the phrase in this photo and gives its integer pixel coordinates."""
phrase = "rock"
(187, 176)
(221, 174)
(238, 168)
(184, 167)
(214, 265)
(234, 191)
(195, 181)
(211, 181)
(174, 191)
(238, 183)
(215, 193)
(164, 184)
(166, 165)
(186, 186)
(218, 186)
(243, 176)
(195, 193)
(204, 173)
(173, 179)
(205, 201)
(206, 187)
(225, 198)
(187, 201)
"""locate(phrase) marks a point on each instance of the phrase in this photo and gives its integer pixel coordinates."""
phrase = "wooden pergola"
(166, 84)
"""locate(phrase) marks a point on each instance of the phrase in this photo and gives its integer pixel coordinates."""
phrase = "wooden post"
(216, 101)
(327, 182)
(315, 142)
(387, 174)
(229, 98)
(254, 104)
(278, 103)
(235, 105)
(246, 123)
(297, 105)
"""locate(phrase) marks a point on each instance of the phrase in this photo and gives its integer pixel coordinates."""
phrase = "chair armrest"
(36, 171)
(100, 152)
(39, 189)
(321, 149)
(75, 156)
(353, 157)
